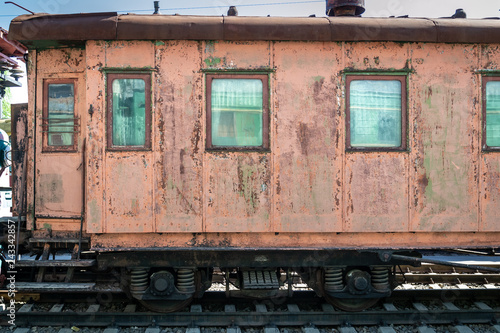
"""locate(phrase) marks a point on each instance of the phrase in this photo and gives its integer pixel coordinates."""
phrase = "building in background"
(11, 55)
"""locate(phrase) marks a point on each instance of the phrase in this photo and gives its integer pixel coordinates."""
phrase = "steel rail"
(443, 262)
(259, 319)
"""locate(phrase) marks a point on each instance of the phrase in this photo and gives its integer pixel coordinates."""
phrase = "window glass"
(129, 112)
(493, 114)
(236, 111)
(375, 113)
(61, 114)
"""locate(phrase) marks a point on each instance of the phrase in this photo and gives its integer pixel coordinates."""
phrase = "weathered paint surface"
(489, 164)
(58, 175)
(30, 146)
(444, 92)
(443, 191)
(178, 146)
(304, 240)
(307, 127)
(238, 193)
(376, 187)
(94, 131)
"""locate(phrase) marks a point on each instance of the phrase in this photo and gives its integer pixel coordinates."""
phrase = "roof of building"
(9, 67)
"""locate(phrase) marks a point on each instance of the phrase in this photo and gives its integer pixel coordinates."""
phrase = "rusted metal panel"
(475, 31)
(490, 192)
(129, 54)
(489, 161)
(385, 57)
(58, 224)
(444, 92)
(375, 184)
(376, 192)
(129, 192)
(248, 55)
(178, 132)
(75, 27)
(43, 29)
(95, 133)
(58, 180)
(307, 142)
(238, 192)
(66, 60)
(163, 27)
(58, 185)
(276, 28)
(19, 141)
(30, 143)
(383, 29)
(306, 188)
(283, 241)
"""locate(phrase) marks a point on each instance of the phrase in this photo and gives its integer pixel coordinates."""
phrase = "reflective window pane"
(61, 114)
(236, 111)
(129, 112)
(493, 114)
(375, 113)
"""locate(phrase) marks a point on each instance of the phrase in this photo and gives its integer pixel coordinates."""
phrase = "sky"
(298, 8)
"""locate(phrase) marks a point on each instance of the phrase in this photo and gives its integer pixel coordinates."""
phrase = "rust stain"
(303, 136)
(51, 189)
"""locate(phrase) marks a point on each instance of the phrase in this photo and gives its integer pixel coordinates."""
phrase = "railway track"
(455, 309)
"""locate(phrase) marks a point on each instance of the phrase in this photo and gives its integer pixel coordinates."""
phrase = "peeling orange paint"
(443, 191)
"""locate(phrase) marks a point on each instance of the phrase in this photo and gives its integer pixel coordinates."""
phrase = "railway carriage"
(333, 147)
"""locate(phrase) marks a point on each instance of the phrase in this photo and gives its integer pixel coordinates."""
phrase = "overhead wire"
(210, 7)
(223, 6)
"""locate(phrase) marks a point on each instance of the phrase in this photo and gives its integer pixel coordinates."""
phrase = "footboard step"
(53, 286)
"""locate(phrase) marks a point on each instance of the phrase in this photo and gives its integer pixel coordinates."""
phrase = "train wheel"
(351, 304)
(166, 306)
(333, 278)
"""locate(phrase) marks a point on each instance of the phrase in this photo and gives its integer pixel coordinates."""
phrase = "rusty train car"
(333, 147)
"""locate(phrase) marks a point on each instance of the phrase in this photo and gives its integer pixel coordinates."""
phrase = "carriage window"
(376, 112)
(237, 109)
(491, 112)
(59, 123)
(129, 111)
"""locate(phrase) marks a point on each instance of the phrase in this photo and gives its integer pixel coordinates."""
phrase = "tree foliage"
(6, 103)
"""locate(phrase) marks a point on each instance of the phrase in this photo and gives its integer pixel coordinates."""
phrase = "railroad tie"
(482, 306)
(462, 329)
(22, 330)
(271, 330)
(310, 330)
(347, 330)
(193, 330)
(25, 308)
(235, 329)
(152, 330)
(390, 307)
(386, 329)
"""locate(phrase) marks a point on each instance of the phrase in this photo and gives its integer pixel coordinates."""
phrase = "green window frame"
(376, 112)
(60, 123)
(237, 112)
(129, 111)
(491, 113)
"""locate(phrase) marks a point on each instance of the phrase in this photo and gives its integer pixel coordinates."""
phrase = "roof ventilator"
(345, 7)
(157, 7)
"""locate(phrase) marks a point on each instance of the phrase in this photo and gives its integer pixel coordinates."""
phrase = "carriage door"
(59, 147)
